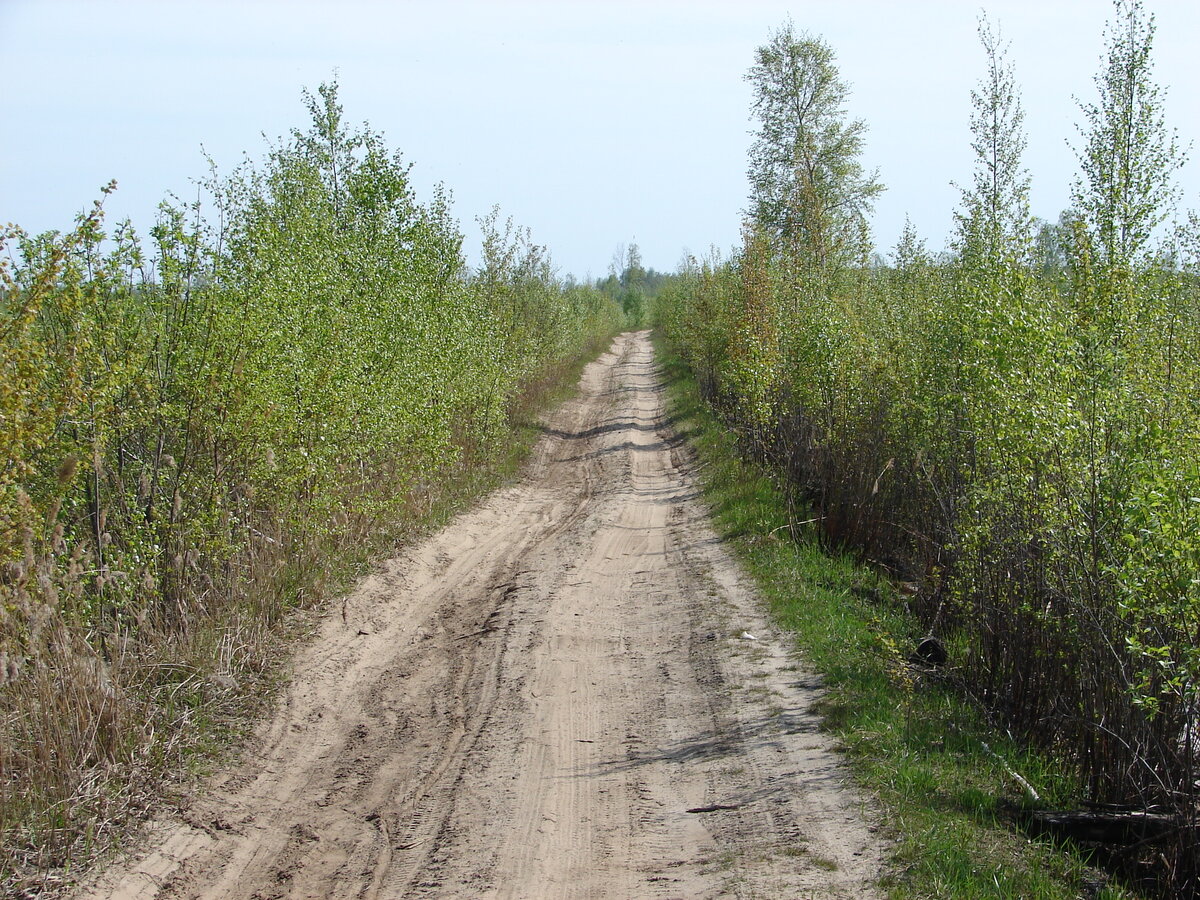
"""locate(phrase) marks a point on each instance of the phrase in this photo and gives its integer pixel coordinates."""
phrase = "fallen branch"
(1016, 776)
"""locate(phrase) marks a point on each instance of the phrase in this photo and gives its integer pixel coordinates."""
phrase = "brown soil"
(568, 692)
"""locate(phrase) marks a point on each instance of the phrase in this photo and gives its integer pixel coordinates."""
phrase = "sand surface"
(568, 692)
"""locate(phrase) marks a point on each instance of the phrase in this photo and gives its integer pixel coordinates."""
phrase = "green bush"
(196, 436)
(1019, 441)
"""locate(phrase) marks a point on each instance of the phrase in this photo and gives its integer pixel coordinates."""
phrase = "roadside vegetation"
(204, 431)
(953, 786)
(212, 427)
(1010, 431)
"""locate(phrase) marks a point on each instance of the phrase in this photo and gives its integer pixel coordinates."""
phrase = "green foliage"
(995, 220)
(1011, 431)
(632, 286)
(942, 772)
(1129, 158)
(200, 436)
(808, 189)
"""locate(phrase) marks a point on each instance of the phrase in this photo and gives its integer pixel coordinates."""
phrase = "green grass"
(950, 807)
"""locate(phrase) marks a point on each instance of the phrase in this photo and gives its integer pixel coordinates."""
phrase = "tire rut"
(568, 692)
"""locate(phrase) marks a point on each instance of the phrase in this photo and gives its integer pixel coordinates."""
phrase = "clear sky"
(593, 123)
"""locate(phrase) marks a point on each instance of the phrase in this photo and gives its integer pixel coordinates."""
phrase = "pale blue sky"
(592, 123)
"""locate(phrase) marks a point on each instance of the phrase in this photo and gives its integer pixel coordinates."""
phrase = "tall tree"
(1129, 156)
(808, 188)
(1050, 244)
(995, 221)
(633, 275)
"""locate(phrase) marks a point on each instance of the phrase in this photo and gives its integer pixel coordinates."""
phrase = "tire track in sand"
(552, 697)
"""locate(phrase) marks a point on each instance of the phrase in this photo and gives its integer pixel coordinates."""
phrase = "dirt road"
(567, 693)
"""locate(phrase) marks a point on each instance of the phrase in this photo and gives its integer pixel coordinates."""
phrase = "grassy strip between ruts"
(944, 776)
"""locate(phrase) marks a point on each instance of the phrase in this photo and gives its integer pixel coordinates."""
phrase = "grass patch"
(951, 807)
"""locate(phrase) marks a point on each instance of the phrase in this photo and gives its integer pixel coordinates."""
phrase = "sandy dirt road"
(569, 692)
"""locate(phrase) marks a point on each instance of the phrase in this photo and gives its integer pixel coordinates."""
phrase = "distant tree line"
(631, 285)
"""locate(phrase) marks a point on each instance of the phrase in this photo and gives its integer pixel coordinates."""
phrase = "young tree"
(1050, 245)
(633, 275)
(995, 221)
(1129, 157)
(633, 287)
(327, 145)
(808, 188)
